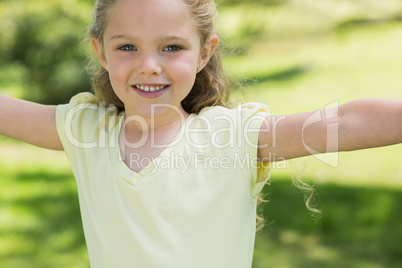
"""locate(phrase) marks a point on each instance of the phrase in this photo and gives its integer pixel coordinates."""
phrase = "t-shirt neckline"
(122, 169)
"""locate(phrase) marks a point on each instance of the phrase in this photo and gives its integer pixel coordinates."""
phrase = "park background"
(294, 55)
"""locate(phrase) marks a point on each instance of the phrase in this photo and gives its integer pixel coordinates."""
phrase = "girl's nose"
(149, 65)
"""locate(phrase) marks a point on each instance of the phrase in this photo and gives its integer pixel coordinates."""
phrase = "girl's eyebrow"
(175, 37)
(119, 36)
(163, 39)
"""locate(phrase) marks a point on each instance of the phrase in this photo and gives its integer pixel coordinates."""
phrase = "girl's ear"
(208, 50)
(99, 52)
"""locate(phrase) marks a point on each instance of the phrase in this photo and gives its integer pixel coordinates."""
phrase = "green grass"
(360, 227)
(40, 224)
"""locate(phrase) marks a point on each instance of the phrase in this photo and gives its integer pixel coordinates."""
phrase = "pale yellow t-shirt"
(193, 206)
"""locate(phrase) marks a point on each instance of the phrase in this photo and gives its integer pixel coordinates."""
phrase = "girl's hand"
(354, 125)
(29, 122)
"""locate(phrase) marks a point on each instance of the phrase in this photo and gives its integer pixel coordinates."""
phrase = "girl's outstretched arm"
(370, 123)
(351, 126)
(29, 122)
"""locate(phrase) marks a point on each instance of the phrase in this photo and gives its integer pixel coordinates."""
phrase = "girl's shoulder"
(242, 110)
(87, 102)
(84, 112)
(84, 121)
(84, 98)
(247, 117)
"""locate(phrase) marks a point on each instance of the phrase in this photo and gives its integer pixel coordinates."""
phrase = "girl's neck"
(148, 142)
(160, 128)
(134, 122)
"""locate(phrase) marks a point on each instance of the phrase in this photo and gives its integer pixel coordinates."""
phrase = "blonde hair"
(212, 85)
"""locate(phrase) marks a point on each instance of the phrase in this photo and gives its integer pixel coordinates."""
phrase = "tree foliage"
(41, 47)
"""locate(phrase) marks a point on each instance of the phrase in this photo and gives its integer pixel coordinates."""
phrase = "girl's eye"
(172, 48)
(127, 48)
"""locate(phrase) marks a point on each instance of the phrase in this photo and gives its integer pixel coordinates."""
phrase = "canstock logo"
(329, 115)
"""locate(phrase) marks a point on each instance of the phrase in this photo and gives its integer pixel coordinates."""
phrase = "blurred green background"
(292, 55)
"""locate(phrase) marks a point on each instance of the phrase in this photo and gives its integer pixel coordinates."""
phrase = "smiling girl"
(161, 103)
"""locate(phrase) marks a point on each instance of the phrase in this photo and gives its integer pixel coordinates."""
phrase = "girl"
(168, 174)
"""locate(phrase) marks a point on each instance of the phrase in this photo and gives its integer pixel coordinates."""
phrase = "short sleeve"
(73, 120)
(252, 116)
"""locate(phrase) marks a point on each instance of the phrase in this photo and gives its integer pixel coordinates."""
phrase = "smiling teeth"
(150, 89)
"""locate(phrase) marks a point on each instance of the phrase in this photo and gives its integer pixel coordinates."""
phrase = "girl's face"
(152, 51)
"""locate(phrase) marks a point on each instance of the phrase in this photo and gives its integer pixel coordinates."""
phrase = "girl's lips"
(150, 94)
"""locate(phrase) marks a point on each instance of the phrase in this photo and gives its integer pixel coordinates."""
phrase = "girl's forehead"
(149, 16)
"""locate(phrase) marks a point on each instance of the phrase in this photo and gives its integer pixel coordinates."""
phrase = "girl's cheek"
(118, 66)
(187, 64)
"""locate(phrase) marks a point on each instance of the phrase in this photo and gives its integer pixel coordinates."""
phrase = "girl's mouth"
(147, 88)
(151, 91)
